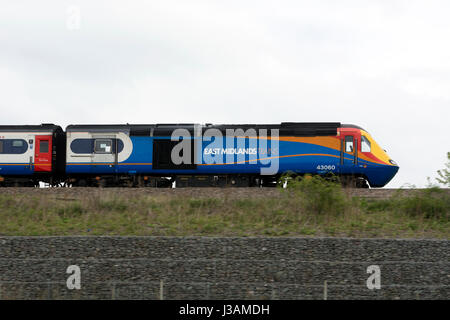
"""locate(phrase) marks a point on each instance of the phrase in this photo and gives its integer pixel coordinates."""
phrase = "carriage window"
(365, 144)
(80, 146)
(103, 146)
(43, 146)
(349, 144)
(13, 146)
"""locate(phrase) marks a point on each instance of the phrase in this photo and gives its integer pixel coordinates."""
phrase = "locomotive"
(185, 155)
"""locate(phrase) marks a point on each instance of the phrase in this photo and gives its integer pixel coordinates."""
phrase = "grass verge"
(309, 207)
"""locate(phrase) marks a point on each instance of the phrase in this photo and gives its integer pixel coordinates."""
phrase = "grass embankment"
(310, 207)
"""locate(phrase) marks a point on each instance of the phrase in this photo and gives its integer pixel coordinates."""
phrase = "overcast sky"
(383, 65)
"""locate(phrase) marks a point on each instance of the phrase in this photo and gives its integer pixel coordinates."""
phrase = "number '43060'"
(326, 167)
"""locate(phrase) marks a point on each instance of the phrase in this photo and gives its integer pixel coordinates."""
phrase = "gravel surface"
(223, 268)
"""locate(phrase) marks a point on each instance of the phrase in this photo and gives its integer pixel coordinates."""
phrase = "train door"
(42, 154)
(104, 159)
(349, 153)
(162, 159)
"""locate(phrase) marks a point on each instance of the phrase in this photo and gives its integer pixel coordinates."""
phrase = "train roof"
(30, 128)
(131, 129)
(164, 129)
(285, 128)
(352, 126)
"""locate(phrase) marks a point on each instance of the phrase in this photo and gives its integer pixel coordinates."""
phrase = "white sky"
(383, 65)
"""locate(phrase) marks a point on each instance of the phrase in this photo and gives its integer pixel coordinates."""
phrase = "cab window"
(365, 144)
(349, 144)
(103, 146)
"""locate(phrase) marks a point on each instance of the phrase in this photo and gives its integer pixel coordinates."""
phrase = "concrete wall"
(222, 268)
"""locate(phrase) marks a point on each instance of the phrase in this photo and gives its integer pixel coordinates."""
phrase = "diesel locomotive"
(183, 155)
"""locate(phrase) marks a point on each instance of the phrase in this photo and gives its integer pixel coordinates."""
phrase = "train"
(189, 155)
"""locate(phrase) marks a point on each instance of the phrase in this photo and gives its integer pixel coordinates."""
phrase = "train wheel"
(362, 183)
(348, 181)
(81, 183)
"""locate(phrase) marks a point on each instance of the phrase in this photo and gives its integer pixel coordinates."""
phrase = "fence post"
(50, 291)
(325, 293)
(161, 290)
(113, 291)
(273, 296)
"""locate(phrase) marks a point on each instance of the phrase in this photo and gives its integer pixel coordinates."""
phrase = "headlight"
(393, 162)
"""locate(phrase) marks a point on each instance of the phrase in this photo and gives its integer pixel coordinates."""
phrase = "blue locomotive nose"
(392, 171)
(379, 176)
(386, 173)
